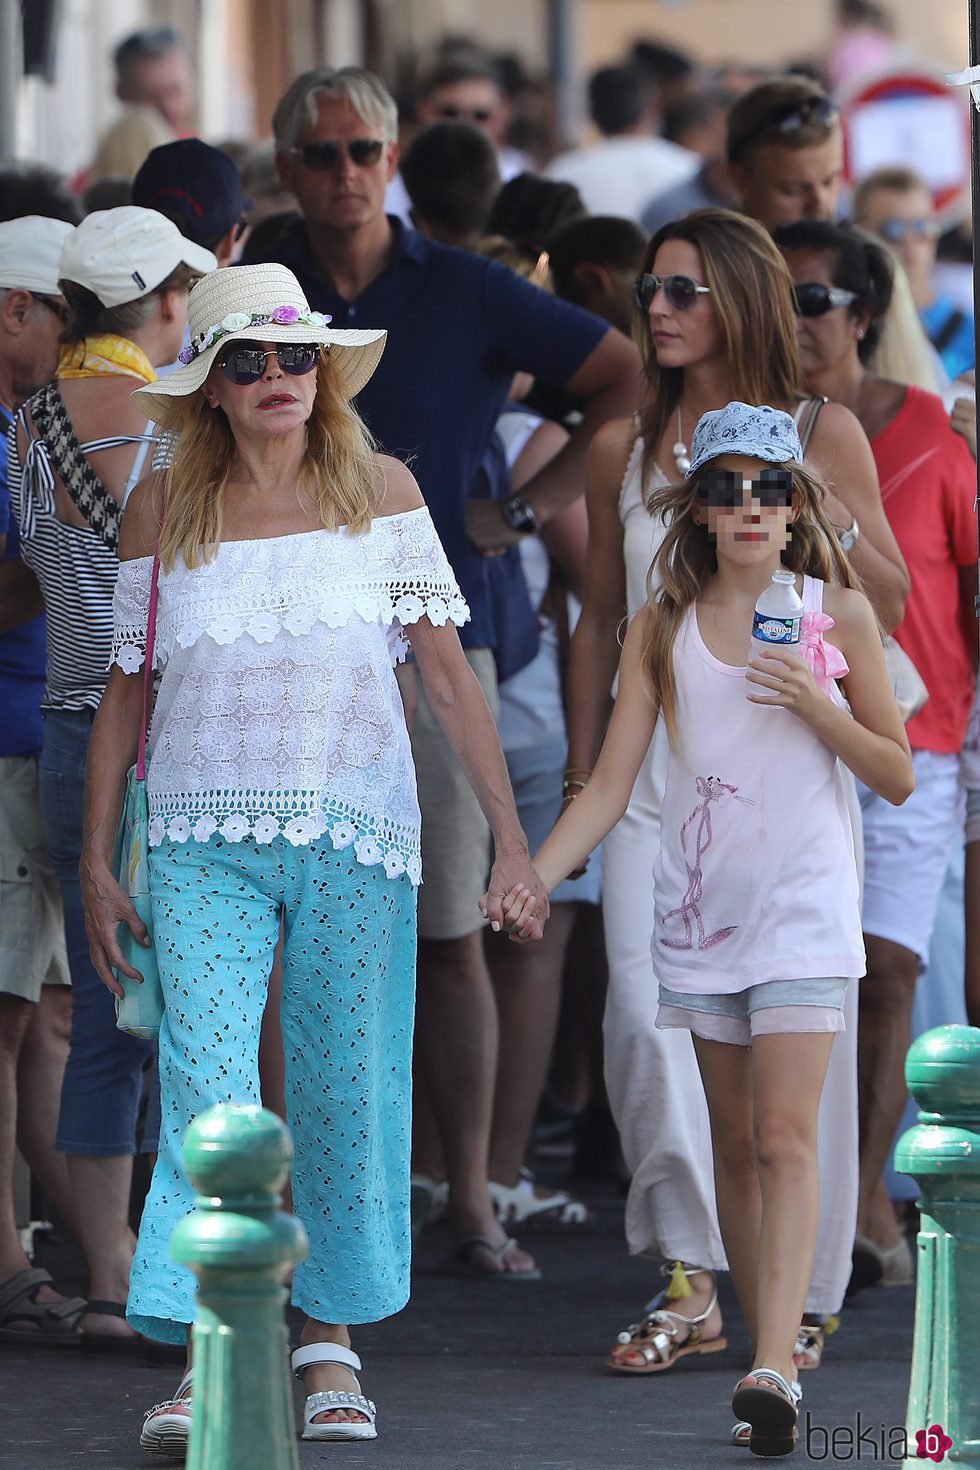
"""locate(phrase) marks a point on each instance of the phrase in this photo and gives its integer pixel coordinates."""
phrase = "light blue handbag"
(140, 1011)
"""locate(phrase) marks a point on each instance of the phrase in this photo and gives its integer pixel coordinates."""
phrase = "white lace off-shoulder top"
(278, 709)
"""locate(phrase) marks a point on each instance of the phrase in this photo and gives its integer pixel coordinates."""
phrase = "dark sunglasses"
(322, 156)
(897, 230)
(55, 307)
(468, 114)
(723, 489)
(812, 298)
(244, 365)
(680, 291)
(790, 117)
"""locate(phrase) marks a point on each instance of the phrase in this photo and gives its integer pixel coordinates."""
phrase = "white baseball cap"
(122, 254)
(30, 252)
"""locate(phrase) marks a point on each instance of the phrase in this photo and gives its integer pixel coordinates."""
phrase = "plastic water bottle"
(777, 618)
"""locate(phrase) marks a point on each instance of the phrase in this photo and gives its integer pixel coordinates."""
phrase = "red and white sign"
(911, 118)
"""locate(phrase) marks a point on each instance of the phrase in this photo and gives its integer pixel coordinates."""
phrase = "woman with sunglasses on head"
(77, 451)
(928, 486)
(755, 913)
(715, 319)
(293, 566)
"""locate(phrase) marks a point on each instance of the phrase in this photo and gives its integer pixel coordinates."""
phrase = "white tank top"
(756, 878)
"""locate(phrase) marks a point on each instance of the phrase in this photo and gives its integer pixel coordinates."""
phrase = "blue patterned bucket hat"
(738, 428)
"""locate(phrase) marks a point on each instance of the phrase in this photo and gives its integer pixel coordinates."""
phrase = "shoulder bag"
(140, 1011)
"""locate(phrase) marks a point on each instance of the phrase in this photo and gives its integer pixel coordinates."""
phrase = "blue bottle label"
(767, 629)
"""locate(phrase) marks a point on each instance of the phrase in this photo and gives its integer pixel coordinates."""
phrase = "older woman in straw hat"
(294, 562)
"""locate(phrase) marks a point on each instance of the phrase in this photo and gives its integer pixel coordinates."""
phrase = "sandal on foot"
(656, 1339)
(810, 1341)
(522, 1204)
(98, 1342)
(464, 1264)
(769, 1406)
(742, 1430)
(167, 1426)
(45, 1324)
(330, 1401)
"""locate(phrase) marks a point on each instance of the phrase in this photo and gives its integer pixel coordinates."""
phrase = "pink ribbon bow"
(824, 660)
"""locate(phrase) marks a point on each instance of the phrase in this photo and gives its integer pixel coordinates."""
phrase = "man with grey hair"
(459, 328)
(154, 70)
(35, 998)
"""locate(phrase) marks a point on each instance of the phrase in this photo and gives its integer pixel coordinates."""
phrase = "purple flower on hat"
(285, 316)
(186, 355)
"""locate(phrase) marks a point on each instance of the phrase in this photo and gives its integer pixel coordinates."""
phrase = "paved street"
(497, 1376)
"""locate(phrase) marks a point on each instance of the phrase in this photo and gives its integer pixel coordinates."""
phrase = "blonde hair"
(340, 471)
(687, 558)
(752, 296)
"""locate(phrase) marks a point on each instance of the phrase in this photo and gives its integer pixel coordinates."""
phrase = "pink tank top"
(756, 878)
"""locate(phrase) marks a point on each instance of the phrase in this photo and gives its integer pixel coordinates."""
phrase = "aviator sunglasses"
(896, 231)
(724, 489)
(680, 291)
(790, 117)
(813, 298)
(322, 156)
(244, 365)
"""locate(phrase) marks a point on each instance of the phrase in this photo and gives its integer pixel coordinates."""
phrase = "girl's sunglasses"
(244, 365)
(322, 156)
(680, 291)
(724, 489)
(811, 298)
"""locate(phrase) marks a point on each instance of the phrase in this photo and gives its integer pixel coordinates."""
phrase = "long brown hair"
(752, 295)
(686, 559)
(340, 471)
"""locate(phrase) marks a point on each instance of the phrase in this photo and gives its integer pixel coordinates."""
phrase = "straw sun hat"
(256, 303)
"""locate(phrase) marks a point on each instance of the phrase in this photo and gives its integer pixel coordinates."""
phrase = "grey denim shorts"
(795, 1006)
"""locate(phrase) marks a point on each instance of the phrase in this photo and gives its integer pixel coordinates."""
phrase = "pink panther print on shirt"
(698, 828)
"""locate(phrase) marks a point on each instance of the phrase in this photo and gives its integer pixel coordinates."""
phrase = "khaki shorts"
(32, 932)
(456, 843)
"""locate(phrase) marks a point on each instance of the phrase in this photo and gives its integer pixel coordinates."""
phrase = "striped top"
(75, 570)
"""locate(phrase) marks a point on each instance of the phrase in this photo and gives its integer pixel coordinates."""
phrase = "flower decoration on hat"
(240, 321)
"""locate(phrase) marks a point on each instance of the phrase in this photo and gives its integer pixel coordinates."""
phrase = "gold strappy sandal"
(657, 1338)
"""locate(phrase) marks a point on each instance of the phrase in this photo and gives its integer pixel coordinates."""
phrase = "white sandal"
(521, 1204)
(330, 1401)
(166, 1433)
(742, 1429)
(770, 1407)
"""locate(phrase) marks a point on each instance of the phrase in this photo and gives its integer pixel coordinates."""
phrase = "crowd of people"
(436, 489)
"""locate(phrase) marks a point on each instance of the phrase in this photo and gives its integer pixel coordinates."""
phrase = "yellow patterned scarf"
(105, 355)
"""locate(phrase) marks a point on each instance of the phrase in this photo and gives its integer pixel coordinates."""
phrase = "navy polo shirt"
(459, 328)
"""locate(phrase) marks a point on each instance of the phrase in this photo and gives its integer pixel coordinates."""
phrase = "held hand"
(785, 680)
(486, 528)
(519, 920)
(106, 907)
(512, 872)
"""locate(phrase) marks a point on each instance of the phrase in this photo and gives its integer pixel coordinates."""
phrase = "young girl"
(757, 927)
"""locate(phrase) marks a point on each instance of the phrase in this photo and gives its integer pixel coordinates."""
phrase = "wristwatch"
(849, 539)
(519, 515)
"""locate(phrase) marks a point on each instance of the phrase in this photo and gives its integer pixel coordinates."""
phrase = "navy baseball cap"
(196, 186)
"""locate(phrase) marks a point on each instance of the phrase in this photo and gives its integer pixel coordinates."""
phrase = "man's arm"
(608, 382)
(20, 596)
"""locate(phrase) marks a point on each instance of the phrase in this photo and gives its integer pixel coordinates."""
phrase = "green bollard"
(942, 1153)
(239, 1245)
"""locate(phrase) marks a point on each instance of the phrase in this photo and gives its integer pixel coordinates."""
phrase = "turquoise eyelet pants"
(347, 1016)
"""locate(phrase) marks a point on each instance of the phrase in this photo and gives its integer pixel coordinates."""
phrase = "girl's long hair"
(687, 558)
(752, 295)
(340, 473)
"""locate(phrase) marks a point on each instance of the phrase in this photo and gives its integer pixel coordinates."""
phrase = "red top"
(928, 486)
